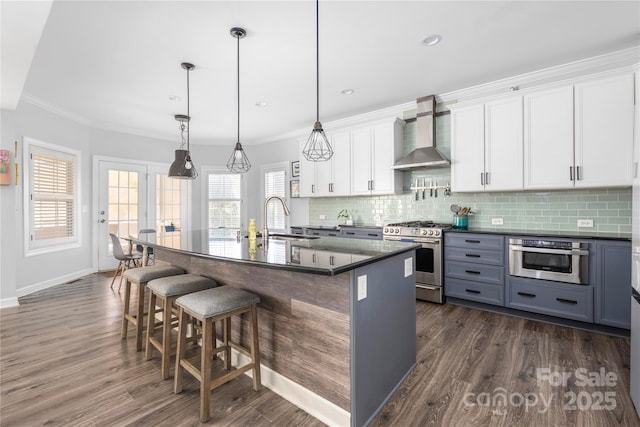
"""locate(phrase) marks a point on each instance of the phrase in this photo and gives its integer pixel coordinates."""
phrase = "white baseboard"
(8, 302)
(319, 407)
(53, 282)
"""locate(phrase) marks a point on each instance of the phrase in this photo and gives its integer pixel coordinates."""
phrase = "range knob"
(436, 233)
(430, 232)
(397, 231)
(386, 230)
(424, 232)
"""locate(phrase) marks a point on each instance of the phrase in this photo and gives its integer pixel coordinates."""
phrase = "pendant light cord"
(238, 79)
(317, 62)
(188, 113)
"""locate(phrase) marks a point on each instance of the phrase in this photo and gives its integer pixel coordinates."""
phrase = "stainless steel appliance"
(560, 261)
(428, 258)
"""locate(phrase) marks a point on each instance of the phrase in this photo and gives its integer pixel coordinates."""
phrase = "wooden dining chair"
(125, 260)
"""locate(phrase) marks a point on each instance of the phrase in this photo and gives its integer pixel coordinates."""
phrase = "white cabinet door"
(383, 156)
(326, 259)
(548, 139)
(361, 161)
(324, 177)
(503, 145)
(604, 132)
(341, 164)
(467, 148)
(307, 257)
(307, 174)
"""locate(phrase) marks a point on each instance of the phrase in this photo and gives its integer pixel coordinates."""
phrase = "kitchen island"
(336, 319)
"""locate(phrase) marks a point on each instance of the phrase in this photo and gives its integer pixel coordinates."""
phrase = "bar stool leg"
(166, 335)
(150, 326)
(205, 370)
(140, 316)
(227, 348)
(180, 351)
(125, 310)
(255, 351)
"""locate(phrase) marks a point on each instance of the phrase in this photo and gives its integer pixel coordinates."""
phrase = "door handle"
(486, 178)
(481, 178)
(526, 294)
(102, 221)
(570, 173)
(578, 178)
(472, 291)
(472, 272)
(567, 301)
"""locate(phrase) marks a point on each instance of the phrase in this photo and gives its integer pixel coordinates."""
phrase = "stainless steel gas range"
(428, 258)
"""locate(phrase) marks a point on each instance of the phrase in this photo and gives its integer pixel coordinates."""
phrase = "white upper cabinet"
(604, 132)
(467, 148)
(580, 136)
(374, 150)
(486, 147)
(307, 174)
(548, 139)
(332, 176)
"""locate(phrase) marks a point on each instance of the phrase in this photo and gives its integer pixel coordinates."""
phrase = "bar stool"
(167, 290)
(140, 276)
(209, 306)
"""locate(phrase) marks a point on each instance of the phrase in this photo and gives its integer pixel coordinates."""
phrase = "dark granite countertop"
(281, 254)
(546, 233)
(335, 227)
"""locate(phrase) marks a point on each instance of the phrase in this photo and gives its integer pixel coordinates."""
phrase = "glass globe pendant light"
(238, 161)
(317, 147)
(182, 167)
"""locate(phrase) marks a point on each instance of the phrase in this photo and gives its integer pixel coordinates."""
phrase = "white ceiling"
(115, 64)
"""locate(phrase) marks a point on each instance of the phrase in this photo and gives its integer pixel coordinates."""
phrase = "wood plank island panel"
(304, 320)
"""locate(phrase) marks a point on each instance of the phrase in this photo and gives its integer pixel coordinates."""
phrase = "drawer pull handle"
(472, 241)
(350, 233)
(333, 234)
(472, 255)
(372, 234)
(526, 294)
(472, 291)
(472, 272)
(567, 301)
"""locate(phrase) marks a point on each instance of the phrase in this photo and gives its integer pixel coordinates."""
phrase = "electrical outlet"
(362, 287)
(323, 217)
(497, 221)
(587, 223)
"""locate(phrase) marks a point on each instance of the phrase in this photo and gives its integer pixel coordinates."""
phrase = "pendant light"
(182, 167)
(317, 147)
(238, 162)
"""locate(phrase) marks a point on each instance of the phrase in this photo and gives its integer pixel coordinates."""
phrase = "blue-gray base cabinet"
(552, 298)
(474, 267)
(613, 284)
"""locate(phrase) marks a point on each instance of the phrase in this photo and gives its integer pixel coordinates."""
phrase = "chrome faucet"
(265, 230)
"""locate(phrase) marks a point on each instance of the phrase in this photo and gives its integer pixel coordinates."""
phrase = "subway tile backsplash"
(610, 208)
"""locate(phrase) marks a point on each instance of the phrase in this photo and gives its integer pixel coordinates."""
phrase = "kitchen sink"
(292, 237)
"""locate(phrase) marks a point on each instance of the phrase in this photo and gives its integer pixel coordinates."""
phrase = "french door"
(122, 205)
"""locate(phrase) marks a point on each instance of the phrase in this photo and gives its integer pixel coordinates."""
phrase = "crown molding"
(41, 103)
(625, 58)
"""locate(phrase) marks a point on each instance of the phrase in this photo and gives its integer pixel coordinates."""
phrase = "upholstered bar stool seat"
(141, 276)
(210, 306)
(163, 293)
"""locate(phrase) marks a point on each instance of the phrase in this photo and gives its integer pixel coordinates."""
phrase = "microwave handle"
(549, 251)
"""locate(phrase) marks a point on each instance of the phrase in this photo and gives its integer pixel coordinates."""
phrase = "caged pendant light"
(238, 162)
(182, 167)
(317, 147)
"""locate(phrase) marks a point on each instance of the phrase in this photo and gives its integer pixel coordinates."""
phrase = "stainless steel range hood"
(426, 155)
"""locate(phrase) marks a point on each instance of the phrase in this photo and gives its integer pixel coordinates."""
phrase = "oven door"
(429, 263)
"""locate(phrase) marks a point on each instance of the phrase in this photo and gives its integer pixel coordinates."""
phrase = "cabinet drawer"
(480, 292)
(474, 255)
(475, 241)
(361, 233)
(474, 272)
(555, 299)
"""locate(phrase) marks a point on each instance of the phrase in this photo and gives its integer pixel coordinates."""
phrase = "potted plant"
(344, 213)
(170, 227)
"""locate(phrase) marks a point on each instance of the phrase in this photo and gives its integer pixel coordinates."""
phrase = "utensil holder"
(460, 221)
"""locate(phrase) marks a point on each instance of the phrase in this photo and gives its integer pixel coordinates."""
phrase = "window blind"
(274, 185)
(224, 205)
(53, 196)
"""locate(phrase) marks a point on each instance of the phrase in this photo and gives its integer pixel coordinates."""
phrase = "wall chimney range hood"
(426, 155)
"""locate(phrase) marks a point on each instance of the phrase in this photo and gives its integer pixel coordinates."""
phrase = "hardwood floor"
(62, 363)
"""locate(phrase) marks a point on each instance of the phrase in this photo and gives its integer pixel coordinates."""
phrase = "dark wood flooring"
(62, 363)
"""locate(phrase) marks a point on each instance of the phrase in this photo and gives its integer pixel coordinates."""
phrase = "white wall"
(20, 275)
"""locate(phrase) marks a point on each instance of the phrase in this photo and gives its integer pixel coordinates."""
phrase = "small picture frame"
(294, 188)
(295, 168)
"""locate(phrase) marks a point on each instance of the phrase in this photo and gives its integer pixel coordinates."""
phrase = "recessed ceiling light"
(261, 104)
(432, 40)
(346, 91)
(174, 98)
